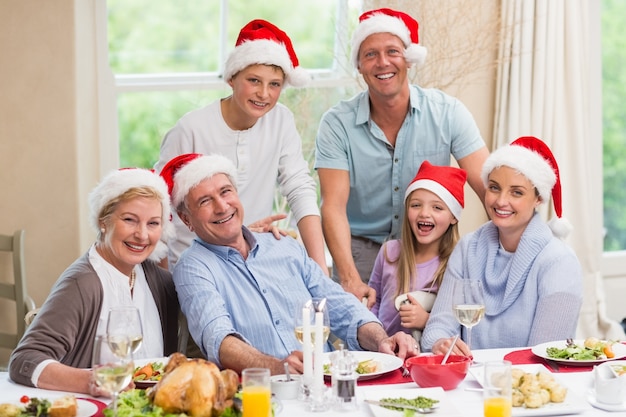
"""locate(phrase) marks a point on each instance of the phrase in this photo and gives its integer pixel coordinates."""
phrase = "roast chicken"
(195, 387)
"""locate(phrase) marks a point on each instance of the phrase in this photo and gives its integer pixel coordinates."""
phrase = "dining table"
(463, 401)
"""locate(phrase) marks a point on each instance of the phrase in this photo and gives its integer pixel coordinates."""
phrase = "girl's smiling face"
(429, 217)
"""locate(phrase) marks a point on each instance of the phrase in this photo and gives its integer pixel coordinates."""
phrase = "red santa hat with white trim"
(184, 172)
(389, 21)
(261, 42)
(532, 158)
(120, 181)
(444, 181)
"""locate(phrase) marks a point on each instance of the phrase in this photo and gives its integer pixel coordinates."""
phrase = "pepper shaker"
(343, 379)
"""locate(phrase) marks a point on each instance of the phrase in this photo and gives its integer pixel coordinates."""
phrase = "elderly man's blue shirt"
(257, 299)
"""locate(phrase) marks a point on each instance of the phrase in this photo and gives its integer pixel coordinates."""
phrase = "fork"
(405, 372)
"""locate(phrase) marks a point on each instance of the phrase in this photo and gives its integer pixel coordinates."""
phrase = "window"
(167, 57)
(614, 123)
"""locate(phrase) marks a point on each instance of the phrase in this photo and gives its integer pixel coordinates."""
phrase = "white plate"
(142, 362)
(85, 408)
(540, 350)
(591, 397)
(445, 408)
(572, 404)
(386, 363)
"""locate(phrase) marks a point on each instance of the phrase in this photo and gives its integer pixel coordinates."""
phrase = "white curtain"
(548, 82)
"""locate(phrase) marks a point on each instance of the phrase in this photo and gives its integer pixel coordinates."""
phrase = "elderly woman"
(131, 212)
(532, 280)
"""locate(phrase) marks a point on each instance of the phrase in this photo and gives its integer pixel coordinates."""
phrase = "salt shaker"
(343, 379)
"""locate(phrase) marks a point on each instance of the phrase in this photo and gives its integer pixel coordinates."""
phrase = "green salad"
(592, 349)
(135, 403)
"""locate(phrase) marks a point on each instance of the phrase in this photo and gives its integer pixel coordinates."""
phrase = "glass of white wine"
(125, 321)
(112, 365)
(314, 305)
(468, 304)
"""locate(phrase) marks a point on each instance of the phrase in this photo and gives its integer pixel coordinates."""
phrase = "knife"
(423, 410)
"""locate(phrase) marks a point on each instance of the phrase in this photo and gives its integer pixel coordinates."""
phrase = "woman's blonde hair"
(406, 271)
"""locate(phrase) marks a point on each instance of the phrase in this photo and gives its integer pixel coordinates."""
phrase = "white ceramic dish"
(540, 350)
(445, 408)
(386, 363)
(142, 362)
(591, 397)
(572, 404)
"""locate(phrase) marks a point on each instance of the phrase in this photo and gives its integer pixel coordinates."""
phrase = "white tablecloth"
(465, 403)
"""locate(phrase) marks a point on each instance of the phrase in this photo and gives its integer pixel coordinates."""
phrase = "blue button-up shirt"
(436, 126)
(257, 299)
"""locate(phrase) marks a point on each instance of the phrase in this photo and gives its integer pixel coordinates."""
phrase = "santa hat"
(445, 181)
(389, 21)
(186, 171)
(260, 42)
(533, 159)
(117, 183)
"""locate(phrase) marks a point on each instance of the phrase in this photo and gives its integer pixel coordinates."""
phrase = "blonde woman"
(130, 211)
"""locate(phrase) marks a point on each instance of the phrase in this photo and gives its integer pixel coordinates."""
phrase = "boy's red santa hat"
(389, 21)
(533, 158)
(444, 181)
(261, 42)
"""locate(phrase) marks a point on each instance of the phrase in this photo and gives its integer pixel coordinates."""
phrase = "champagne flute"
(314, 306)
(468, 304)
(112, 365)
(125, 321)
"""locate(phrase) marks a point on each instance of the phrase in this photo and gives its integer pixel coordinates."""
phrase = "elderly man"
(241, 290)
(369, 148)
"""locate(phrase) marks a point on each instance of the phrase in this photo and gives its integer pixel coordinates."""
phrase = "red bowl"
(427, 370)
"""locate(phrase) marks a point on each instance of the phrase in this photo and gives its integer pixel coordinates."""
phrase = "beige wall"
(49, 135)
(47, 119)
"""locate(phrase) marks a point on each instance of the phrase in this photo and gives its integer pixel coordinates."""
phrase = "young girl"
(433, 203)
(258, 134)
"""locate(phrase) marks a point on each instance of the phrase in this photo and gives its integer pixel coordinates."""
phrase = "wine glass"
(125, 321)
(468, 304)
(314, 305)
(112, 365)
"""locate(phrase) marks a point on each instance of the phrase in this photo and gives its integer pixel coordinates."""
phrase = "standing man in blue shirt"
(369, 148)
(240, 290)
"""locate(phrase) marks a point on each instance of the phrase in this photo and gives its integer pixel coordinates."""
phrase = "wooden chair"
(16, 291)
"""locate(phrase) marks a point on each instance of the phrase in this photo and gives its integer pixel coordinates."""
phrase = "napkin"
(525, 356)
(393, 377)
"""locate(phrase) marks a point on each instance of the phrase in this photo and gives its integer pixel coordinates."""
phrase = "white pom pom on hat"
(389, 21)
(261, 42)
(184, 172)
(533, 158)
(117, 183)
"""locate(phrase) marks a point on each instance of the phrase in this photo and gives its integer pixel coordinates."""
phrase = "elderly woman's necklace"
(133, 276)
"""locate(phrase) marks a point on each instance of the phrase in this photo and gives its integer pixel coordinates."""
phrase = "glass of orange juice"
(256, 392)
(497, 388)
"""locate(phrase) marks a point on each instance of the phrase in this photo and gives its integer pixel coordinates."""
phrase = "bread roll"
(63, 407)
